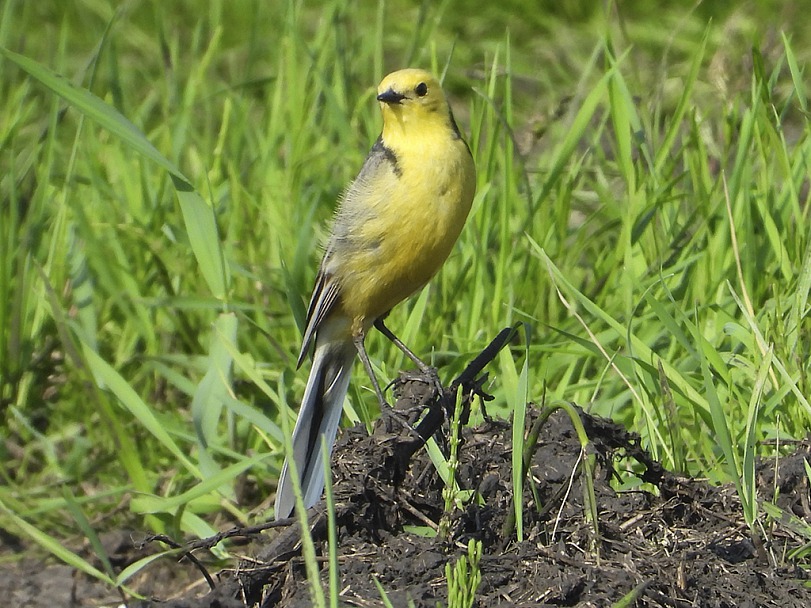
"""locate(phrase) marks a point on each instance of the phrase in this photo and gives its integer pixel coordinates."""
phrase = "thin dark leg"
(429, 373)
(387, 413)
(358, 340)
(381, 327)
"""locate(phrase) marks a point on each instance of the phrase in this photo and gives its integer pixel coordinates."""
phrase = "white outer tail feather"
(321, 407)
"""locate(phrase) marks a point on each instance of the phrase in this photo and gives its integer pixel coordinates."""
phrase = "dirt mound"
(685, 544)
(688, 546)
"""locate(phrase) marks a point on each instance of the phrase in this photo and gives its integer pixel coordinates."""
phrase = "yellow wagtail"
(394, 228)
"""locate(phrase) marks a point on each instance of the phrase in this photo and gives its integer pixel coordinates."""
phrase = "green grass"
(642, 204)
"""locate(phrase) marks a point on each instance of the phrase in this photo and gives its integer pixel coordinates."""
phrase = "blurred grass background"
(642, 204)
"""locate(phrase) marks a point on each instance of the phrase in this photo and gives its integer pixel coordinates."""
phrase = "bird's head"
(412, 98)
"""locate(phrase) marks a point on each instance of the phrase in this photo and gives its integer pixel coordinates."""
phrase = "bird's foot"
(393, 422)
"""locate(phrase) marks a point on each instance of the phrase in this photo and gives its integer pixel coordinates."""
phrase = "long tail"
(318, 417)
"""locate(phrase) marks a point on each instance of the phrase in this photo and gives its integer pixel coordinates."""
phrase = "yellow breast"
(405, 223)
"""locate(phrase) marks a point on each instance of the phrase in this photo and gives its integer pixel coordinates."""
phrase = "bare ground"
(683, 544)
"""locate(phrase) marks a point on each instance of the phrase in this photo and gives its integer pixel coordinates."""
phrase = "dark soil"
(685, 544)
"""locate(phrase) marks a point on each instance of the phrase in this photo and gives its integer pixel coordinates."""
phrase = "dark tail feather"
(318, 417)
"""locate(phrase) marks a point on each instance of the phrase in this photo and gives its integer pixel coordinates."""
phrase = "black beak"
(390, 96)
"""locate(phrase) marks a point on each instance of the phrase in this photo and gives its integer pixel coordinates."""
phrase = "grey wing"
(326, 291)
(325, 295)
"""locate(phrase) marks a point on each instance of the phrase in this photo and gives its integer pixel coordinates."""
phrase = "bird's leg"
(367, 364)
(381, 327)
(430, 373)
(387, 413)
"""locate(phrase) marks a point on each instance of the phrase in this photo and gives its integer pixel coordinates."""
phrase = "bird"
(394, 227)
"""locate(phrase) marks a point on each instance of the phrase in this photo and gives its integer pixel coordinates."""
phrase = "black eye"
(421, 90)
